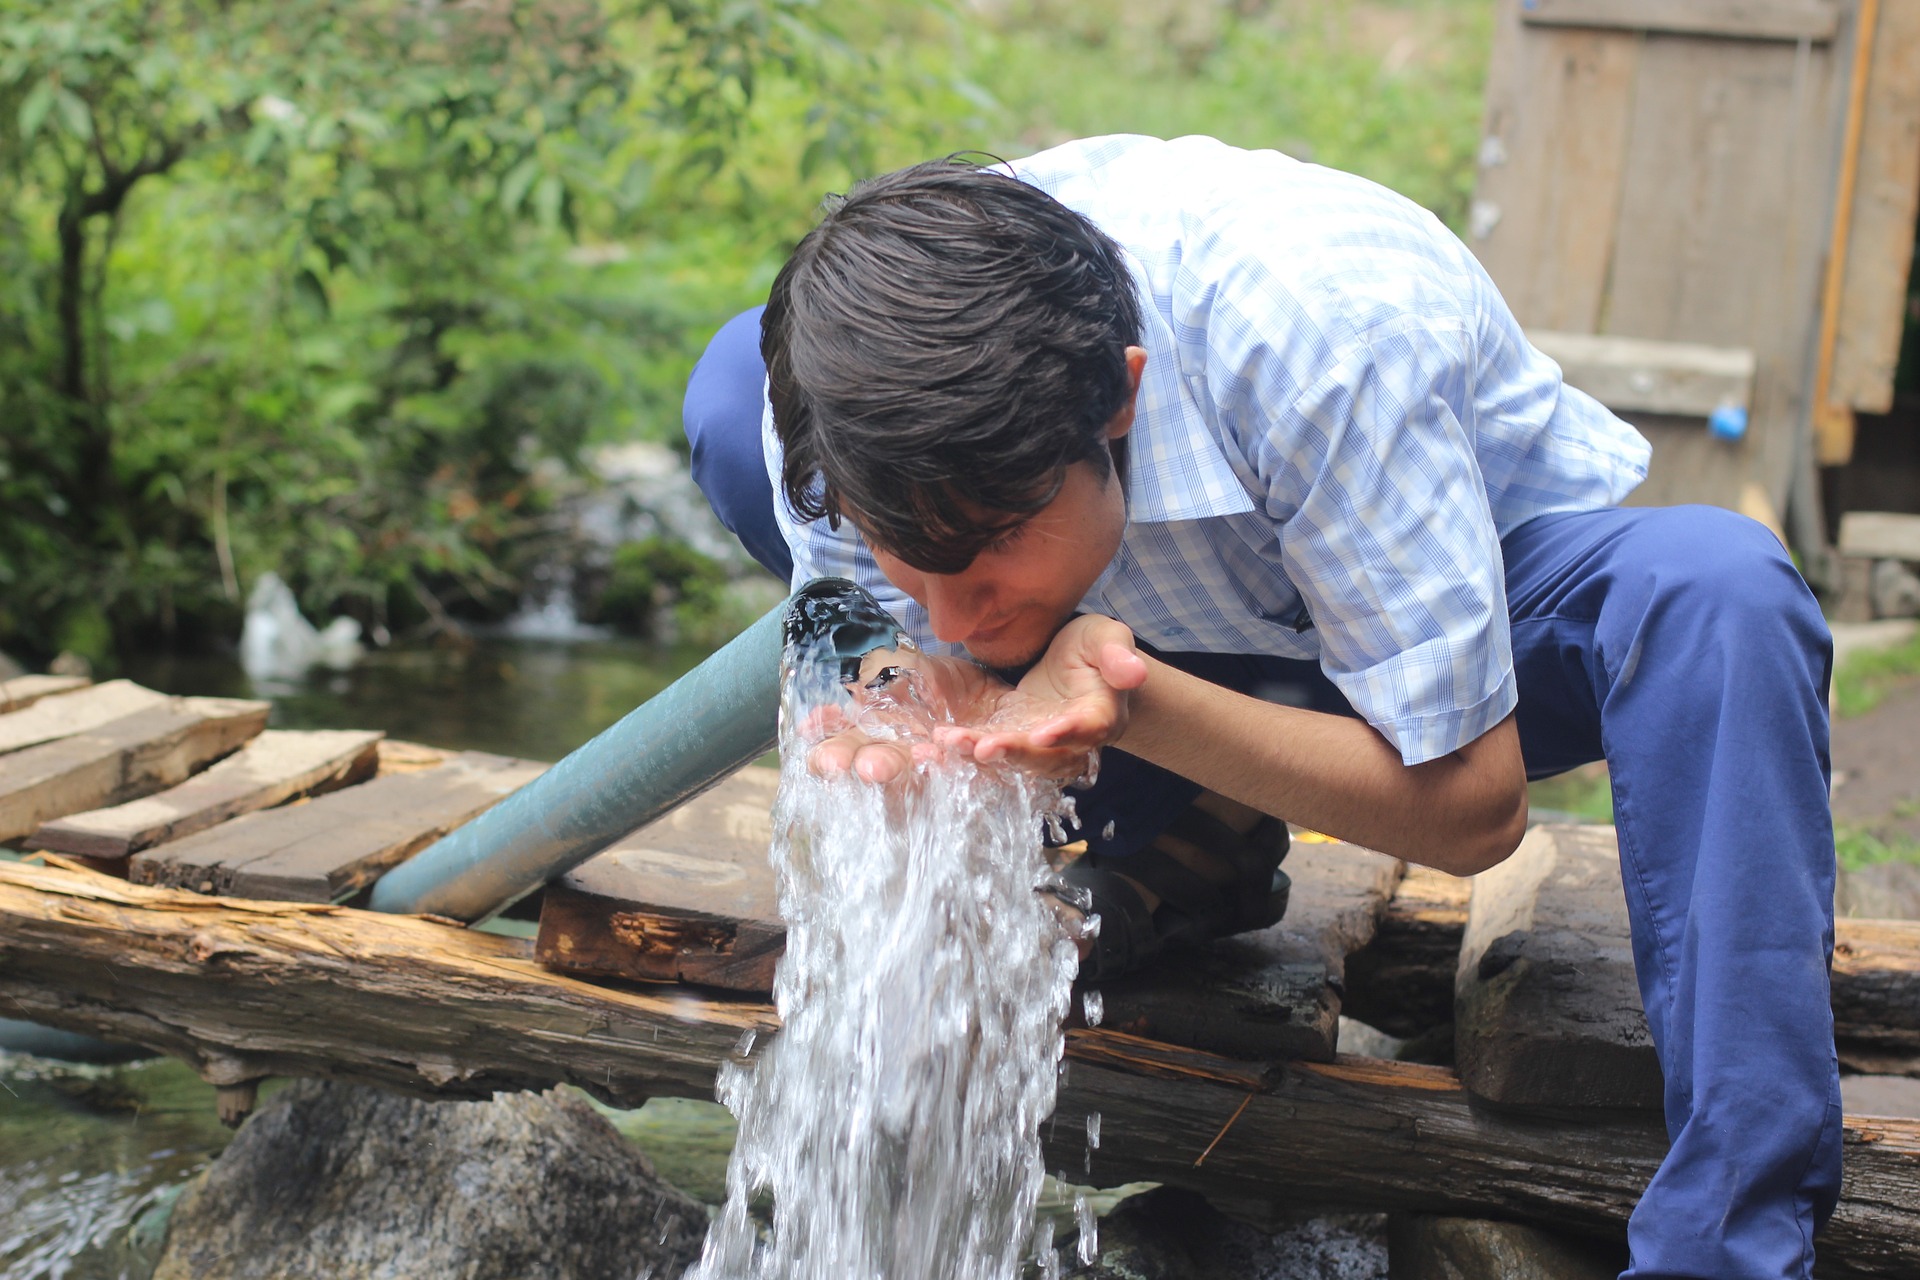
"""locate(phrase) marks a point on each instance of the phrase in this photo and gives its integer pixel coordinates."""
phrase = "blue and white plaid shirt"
(1338, 421)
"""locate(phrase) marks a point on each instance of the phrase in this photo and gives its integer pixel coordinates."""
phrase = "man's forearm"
(1461, 813)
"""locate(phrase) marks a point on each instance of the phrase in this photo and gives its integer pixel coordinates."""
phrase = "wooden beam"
(75, 712)
(1744, 19)
(132, 756)
(22, 692)
(332, 847)
(275, 767)
(1646, 376)
(245, 989)
(1880, 535)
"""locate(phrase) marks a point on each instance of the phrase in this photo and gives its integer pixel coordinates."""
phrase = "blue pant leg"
(721, 412)
(1705, 663)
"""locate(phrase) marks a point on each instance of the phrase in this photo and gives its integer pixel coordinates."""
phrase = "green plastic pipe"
(677, 744)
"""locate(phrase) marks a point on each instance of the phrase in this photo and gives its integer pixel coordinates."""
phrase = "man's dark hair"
(939, 350)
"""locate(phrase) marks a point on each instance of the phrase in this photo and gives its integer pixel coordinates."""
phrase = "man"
(1167, 421)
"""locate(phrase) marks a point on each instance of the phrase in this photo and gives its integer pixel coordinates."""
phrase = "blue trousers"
(1681, 646)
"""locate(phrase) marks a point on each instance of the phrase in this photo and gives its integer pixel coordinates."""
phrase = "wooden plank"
(132, 756)
(1886, 202)
(275, 767)
(1732, 145)
(689, 898)
(1552, 161)
(1648, 375)
(1876, 995)
(1743, 19)
(243, 990)
(1547, 1010)
(331, 847)
(75, 712)
(1271, 994)
(1879, 535)
(22, 692)
(1402, 981)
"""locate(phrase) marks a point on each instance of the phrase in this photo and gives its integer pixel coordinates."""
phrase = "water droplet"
(1094, 1006)
(1106, 832)
(1089, 1244)
(744, 1046)
(1093, 1130)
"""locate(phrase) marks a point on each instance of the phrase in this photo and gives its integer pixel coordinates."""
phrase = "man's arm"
(1461, 813)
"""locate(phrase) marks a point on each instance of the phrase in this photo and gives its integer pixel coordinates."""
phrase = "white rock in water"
(278, 642)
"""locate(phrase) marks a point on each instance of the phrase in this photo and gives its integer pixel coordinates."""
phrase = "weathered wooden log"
(248, 989)
(1403, 981)
(275, 767)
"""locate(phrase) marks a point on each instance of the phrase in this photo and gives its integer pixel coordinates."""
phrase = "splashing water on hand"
(895, 1119)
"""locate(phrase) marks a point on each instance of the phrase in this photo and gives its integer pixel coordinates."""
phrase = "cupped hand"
(914, 707)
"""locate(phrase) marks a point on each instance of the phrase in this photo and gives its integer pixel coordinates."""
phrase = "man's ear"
(1122, 422)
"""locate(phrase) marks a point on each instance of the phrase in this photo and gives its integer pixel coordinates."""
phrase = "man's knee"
(1719, 567)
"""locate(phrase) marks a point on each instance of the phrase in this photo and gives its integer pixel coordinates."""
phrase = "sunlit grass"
(1866, 678)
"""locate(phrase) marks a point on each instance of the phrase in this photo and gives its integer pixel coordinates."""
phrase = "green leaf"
(34, 108)
(547, 195)
(513, 187)
(72, 112)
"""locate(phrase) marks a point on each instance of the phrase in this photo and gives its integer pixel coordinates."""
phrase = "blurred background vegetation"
(345, 289)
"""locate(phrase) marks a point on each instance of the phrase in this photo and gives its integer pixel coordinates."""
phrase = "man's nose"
(955, 606)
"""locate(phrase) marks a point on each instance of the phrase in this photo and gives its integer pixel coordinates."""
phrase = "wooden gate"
(1662, 185)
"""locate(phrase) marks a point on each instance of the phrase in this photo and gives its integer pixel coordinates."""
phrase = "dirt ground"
(1876, 767)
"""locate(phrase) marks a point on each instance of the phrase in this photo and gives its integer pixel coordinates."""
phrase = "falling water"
(895, 1119)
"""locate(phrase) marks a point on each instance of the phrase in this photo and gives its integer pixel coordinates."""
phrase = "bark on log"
(246, 989)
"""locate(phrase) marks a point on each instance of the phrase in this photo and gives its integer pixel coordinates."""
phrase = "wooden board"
(134, 755)
(689, 898)
(1886, 200)
(1732, 146)
(76, 712)
(275, 767)
(1876, 995)
(331, 847)
(22, 692)
(1655, 377)
(1744, 19)
(1271, 994)
(1552, 160)
(1880, 535)
(1547, 1009)
(243, 990)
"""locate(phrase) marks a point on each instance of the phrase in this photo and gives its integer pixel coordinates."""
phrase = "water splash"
(895, 1120)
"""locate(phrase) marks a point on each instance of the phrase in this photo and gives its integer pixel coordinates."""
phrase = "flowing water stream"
(895, 1119)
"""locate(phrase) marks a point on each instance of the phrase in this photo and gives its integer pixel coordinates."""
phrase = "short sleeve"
(1391, 543)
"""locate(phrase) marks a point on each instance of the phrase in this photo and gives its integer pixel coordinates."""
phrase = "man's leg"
(1683, 644)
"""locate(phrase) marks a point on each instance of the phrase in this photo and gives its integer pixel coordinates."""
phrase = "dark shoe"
(1193, 909)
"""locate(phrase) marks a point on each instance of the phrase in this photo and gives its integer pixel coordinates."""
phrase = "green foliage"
(339, 288)
(653, 575)
(1858, 847)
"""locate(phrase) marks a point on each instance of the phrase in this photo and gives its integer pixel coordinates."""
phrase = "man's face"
(1007, 605)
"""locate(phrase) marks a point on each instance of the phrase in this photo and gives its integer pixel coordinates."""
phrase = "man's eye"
(1007, 539)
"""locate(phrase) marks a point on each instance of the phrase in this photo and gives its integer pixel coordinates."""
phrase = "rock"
(353, 1183)
(1429, 1248)
(69, 663)
(1883, 891)
(1170, 1234)
(1546, 1006)
(9, 669)
(1894, 590)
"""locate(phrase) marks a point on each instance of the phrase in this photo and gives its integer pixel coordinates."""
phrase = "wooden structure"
(651, 965)
(1697, 203)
